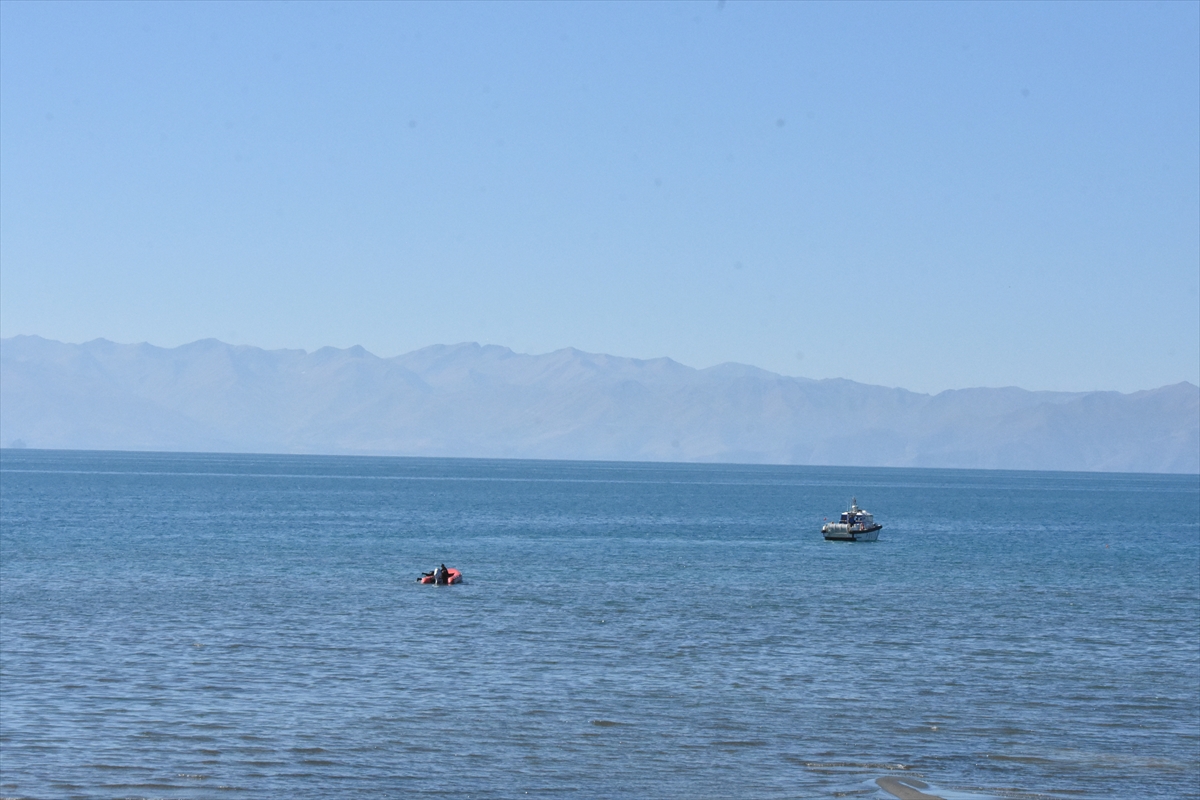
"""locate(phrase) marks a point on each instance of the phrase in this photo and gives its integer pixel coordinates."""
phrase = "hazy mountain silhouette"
(468, 400)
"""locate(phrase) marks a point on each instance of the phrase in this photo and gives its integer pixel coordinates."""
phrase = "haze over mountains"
(472, 401)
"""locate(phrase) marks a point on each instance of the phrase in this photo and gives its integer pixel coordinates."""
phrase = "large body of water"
(194, 626)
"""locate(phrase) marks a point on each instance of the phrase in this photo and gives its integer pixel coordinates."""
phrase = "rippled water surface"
(175, 625)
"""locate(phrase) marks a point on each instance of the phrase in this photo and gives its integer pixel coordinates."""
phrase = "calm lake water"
(193, 626)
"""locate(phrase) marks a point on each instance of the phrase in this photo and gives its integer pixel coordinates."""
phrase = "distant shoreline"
(645, 463)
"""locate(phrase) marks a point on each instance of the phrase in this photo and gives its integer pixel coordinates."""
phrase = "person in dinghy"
(441, 576)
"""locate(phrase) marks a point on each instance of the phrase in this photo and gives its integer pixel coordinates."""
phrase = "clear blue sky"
(930, 196)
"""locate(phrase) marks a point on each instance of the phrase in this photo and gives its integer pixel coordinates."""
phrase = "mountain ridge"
(478, 400)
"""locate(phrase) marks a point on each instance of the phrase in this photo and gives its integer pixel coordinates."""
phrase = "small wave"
(865, 765)
(1022, 759)
(909, 789)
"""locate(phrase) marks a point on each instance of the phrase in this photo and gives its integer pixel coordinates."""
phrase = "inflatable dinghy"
(453, 576)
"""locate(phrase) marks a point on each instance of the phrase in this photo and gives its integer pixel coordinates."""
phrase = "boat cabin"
(856, 516)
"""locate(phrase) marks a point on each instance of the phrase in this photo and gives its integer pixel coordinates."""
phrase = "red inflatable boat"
(453, 576)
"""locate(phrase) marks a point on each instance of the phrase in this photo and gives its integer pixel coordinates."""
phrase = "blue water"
(192, 626)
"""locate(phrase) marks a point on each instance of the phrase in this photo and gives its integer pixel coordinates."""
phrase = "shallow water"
(171, 625)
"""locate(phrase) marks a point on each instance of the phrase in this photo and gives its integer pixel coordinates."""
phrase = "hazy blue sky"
(931, 196)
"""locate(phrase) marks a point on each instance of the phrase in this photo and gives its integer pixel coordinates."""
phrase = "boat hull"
(842, 533)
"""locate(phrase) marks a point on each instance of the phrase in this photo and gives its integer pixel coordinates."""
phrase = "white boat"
(856, 525)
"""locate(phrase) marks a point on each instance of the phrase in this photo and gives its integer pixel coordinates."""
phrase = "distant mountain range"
(473, 401)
